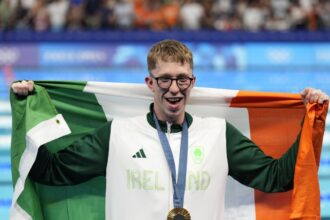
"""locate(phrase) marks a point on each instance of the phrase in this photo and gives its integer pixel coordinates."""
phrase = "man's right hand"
(22, 88)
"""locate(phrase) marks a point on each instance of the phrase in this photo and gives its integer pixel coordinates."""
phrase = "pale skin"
(166, 111)
(165, 107)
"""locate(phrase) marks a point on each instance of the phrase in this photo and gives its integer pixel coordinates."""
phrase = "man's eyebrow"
(168, 75)
(184, 75)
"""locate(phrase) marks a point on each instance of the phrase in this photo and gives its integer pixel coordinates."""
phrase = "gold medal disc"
(178, 214)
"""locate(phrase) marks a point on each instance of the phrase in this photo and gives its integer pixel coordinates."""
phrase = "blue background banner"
(206, 55)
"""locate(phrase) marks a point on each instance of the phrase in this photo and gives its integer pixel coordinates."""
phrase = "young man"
(166, 130)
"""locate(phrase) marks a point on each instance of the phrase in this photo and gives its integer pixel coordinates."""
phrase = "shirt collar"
(163, 125)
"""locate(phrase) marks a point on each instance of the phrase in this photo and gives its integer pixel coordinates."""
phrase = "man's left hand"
(311, 95)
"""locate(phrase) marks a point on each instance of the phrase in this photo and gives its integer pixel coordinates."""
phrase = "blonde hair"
(169, 51)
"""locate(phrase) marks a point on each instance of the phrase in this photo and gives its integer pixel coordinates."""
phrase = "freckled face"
(169, 104)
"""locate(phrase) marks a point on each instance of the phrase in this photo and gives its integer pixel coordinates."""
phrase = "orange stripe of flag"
(280, 115)
(274, 130)
(249, 99)
(306, 193)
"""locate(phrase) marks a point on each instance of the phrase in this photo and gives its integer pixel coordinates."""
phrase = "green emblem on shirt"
(197, 154)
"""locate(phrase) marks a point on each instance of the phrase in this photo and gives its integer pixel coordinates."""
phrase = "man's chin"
(173, 115)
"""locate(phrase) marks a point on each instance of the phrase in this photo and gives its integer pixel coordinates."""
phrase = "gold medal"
(178, 214)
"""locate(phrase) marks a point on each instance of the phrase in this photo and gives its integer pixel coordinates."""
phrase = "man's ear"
(150, 83)
(193, 82)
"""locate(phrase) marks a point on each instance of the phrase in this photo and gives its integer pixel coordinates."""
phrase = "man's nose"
(174, 88)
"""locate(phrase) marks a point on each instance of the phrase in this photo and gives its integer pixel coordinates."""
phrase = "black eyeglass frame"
(172, 79)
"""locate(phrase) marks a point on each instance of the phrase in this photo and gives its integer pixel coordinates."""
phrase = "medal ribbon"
(180, 185)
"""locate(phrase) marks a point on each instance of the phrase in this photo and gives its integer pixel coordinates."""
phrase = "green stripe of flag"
(83, 201)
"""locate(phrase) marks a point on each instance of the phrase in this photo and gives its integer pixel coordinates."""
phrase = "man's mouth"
(174, 100)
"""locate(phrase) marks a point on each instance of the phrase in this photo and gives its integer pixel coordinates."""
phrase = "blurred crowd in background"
(158, 15)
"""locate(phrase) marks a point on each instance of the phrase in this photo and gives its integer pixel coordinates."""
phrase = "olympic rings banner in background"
(206, 55)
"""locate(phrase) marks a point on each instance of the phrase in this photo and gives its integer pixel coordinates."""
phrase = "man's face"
(169, 104)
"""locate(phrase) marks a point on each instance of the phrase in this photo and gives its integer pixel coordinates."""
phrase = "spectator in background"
(75, 17)
(58, 10)
(225, 16)
(22, 13)
(149, 15)
(39, 16)
(155, 20)
(307, 4)
(324, 13)
(240, 7)
(123, 12)
(277, 22)
(313, 19)
(20, 17)
(254, 16)
(297, 16)
(28, 4)
(107, 14)
(191, 15)
(170, 12)
(141, 10)
(279, 8)
(92, 16)
(207, 20)
(6, 15)
(222, 7)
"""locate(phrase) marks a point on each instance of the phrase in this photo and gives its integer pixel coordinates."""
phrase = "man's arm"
(82, 160)
(249, 165)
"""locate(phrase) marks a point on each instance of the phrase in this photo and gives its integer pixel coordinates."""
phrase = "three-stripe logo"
(140, 154)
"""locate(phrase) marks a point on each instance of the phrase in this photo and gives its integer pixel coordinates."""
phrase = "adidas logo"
(140, 154)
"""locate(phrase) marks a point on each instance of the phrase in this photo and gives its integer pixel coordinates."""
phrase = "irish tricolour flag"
(68, 110)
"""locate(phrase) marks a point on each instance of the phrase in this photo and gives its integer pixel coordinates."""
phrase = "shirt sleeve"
(80, 161)
(249, 165)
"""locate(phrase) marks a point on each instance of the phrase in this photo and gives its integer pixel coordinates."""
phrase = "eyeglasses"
(165, 82)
